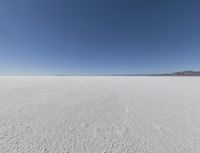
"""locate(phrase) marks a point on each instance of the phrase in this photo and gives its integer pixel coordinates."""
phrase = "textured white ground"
(99, 114)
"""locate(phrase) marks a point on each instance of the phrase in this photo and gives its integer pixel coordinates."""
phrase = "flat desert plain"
(66, 114)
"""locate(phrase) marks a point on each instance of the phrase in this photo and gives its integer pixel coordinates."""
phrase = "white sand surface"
(99, 114)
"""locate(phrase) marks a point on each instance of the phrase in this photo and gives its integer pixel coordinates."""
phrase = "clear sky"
(45, 37)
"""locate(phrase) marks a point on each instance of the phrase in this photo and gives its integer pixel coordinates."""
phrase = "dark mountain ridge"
(185, 73)
(181, 73)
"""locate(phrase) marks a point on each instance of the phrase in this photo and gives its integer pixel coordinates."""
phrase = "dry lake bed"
(66, 114)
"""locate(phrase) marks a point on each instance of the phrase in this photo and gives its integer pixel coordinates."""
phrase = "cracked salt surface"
(99, 114)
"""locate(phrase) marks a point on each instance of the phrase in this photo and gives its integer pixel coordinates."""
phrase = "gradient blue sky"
(46, 37)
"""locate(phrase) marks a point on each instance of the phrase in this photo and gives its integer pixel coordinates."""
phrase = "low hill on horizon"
(180, 73)
(185, 73)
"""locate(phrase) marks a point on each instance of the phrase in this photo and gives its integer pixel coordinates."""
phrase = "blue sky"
(47, 37)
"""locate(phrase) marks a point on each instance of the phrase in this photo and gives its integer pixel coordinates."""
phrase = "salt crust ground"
(99, 114)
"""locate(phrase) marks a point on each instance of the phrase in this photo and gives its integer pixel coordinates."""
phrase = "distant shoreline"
(174, 74)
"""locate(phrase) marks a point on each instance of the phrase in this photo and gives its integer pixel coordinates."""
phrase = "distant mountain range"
(184, 73)
(181, 73)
